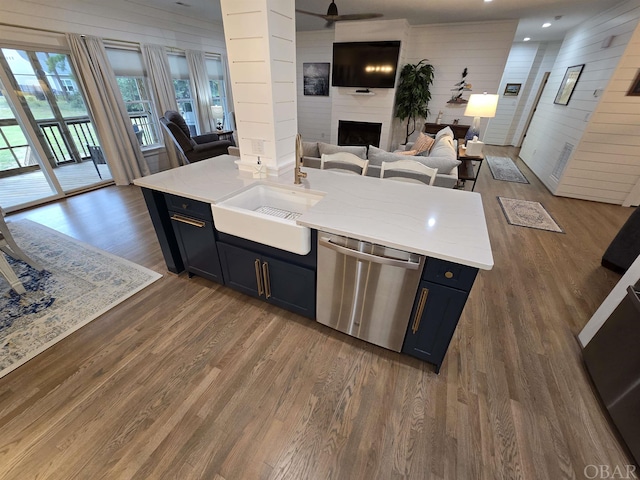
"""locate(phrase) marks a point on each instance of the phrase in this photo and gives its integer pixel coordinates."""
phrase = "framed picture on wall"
(512, 89)
(315, 78)
(634, 91)
(568, 84)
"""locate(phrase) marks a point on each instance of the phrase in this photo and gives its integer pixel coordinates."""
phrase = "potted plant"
(413, 94)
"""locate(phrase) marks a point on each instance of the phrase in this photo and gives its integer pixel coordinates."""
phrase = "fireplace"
(359, 133)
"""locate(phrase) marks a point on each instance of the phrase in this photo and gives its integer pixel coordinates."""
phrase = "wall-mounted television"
(365, 64)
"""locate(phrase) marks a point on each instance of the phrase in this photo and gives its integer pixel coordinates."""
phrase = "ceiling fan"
(332, 15)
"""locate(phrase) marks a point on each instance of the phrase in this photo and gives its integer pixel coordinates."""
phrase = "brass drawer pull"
(448, 275)
(258, 277)
(267, 281)
(421, 303)
(189, 221)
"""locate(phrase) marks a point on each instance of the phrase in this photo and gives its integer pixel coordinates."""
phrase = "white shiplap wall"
(112, 19)
(314, 113)
(260, 36)
(481, 47)
(377, 108)
(603, 165)
(519, 67)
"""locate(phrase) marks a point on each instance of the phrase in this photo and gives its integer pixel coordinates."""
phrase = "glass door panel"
(54, 103)
(21, 177)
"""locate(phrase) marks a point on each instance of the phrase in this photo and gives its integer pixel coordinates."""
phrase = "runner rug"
(503, 168)
(78, 284)
(524, 213)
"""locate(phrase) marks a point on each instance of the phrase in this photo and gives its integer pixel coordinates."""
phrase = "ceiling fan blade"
(319, 15)
(358, 16)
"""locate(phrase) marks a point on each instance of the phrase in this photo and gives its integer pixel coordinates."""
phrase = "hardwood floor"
(188, 379)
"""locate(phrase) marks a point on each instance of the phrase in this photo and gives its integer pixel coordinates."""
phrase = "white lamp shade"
(217, 111)
(482, 105)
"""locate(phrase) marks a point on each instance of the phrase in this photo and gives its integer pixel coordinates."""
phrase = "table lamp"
(480, 106)
(218, 113)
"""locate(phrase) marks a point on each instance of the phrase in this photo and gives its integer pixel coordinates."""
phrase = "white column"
(261, 48)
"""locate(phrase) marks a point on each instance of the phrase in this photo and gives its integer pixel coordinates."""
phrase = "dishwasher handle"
(408, 265)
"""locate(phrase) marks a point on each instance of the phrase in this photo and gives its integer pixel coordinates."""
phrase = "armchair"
(194, 148)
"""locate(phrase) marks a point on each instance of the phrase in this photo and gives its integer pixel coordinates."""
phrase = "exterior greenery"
(413, 94)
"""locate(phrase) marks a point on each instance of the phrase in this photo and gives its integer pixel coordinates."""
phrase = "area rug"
(503, 168)
(524, 213)
(79, 283)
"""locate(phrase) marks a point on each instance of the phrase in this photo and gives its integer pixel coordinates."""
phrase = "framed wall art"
(634, 91)
(568, 84)
(512, 89)
(315, 78)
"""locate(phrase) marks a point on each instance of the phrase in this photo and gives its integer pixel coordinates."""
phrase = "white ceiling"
(531, 13)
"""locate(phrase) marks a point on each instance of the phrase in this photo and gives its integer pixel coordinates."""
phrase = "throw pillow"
(423, 143)
(328, 149)
(377, 156)
(446, 131)
(310, 149)
(444, 147)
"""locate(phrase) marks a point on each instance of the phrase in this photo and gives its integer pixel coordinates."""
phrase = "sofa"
(442, 155)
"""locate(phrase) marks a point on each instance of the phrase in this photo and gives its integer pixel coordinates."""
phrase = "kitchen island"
(446, 226)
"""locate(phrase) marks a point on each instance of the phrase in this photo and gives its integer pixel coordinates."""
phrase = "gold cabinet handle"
(448, 274)
(258, 277)
(421, 303)
(267, 281)
(189, 221)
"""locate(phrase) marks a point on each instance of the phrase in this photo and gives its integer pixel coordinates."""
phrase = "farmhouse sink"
(266, 213)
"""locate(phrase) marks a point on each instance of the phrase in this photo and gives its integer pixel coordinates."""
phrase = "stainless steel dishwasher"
(366, 290)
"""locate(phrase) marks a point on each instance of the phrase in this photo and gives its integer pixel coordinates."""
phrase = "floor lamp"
(480, 106)
(218, 113)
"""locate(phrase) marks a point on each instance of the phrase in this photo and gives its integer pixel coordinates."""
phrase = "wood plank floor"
(191, 380)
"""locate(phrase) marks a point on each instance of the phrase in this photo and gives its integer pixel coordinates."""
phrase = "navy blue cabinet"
(439, 303)
(289, 286)
(193, 228)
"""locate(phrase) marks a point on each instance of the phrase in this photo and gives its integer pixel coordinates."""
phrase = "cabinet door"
(242, 269)
(290, 286)
(197, 243)
(433, 320)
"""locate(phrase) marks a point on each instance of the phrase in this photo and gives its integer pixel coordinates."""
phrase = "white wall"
(481, 47)
(527, 63)
(111, 19)
(602, 165)
(314, 113)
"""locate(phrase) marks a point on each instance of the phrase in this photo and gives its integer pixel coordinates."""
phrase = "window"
(133, 85)
(217, 85)
(182, 87)
(67, 85)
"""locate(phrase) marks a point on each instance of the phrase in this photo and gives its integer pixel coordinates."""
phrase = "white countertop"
(437, 222)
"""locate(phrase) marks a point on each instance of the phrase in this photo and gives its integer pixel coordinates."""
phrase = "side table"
(466, 170)
(226, 135)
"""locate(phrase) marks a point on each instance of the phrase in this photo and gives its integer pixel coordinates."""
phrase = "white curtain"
(111, 120)
(201, 89)
(157, 66)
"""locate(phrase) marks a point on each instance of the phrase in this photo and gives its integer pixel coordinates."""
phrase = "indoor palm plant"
(413, 94)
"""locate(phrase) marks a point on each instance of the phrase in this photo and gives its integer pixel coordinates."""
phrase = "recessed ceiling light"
(486, 1)
(545, 25)
(526, 39)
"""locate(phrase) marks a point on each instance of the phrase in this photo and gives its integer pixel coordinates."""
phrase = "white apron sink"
(266, 213)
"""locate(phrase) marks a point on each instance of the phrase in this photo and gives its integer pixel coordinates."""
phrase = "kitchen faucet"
(297, 173)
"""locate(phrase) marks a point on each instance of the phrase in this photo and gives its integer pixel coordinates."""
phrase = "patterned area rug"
(503, 168)
(528, 214)
(79, 284)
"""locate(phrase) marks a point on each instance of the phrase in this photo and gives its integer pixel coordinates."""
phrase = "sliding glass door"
(46, 100)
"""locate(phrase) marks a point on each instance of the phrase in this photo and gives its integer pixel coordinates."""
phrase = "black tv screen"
(365, 64)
